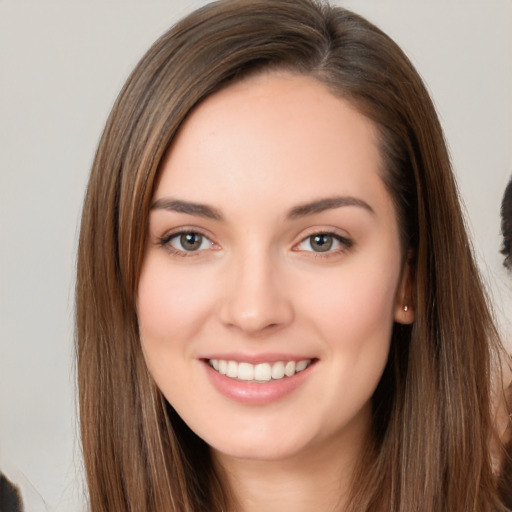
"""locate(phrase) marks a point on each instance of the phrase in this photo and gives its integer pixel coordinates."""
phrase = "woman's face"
(272, 274)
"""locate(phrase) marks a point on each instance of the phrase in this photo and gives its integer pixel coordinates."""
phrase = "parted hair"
(432, 426)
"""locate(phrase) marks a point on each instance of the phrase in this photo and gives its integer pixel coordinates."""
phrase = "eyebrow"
(174, 205)
(302, 210)
(330, 203)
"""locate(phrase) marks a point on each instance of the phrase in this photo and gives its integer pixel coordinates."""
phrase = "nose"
(256, 299)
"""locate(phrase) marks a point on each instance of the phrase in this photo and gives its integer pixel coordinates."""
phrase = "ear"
(404, 303)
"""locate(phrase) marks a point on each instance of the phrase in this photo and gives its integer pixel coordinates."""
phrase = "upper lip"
(257, 358)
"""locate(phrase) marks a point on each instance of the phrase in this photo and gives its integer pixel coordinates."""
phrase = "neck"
(319, 478)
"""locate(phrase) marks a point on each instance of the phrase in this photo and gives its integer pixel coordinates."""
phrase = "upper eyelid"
(344, 240)
(185, 230)
(164, 242)
(181, 233)
(331, 231)
(339, 238)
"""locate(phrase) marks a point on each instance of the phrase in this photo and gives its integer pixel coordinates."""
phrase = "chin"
(258, 452)
(262, 443)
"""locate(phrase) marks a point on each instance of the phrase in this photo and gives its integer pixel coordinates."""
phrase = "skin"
(253, 153)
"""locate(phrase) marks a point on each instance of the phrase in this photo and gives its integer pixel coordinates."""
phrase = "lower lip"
(256, 393)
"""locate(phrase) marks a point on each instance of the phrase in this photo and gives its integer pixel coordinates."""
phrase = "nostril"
(255, 304)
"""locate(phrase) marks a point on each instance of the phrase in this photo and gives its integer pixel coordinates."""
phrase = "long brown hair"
(432, 423)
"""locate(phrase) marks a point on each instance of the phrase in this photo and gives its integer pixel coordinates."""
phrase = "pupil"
(191, 241)
(321, 243)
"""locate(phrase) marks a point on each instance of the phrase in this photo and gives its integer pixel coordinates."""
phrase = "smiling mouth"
(262, 372)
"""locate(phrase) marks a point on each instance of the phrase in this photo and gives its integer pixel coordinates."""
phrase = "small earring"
(406, 308)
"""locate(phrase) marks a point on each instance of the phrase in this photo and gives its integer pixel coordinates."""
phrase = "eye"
(189, 241)
(324, 242)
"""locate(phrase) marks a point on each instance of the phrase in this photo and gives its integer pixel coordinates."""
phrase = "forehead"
(275, 135)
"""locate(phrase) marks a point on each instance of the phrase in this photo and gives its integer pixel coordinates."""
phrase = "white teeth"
(289, 369)
(278, 370)
(232, 370)
(245, 371)
(301, 365)
(262, 372)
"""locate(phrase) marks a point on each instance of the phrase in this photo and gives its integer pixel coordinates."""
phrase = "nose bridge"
(256, 301)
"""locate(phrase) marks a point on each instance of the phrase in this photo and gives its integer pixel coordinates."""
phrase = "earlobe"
(404, 314)
(404, 305)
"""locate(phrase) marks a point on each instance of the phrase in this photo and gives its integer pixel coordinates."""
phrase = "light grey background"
(61, 66)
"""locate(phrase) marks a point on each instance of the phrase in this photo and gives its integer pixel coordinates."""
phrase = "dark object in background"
(10, 500)
(506, 226)
(505, 484)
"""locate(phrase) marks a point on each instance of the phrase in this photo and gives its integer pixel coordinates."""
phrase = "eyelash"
(345, 243)
(165, 241)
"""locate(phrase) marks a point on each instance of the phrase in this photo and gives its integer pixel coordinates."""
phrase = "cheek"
(351, 308)
(354, 317)
(172, 302)
(352, 311)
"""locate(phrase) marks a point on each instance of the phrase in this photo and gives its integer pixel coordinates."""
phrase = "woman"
(277, 304)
